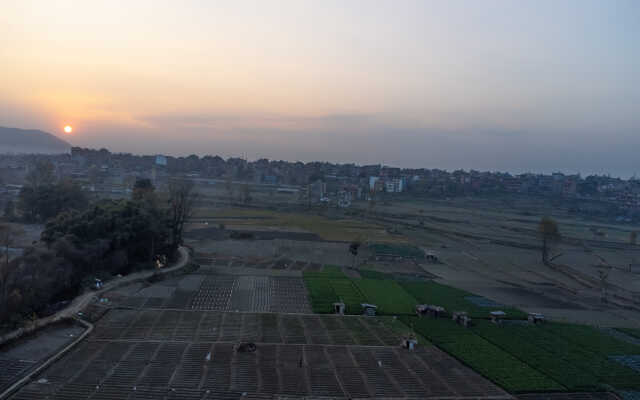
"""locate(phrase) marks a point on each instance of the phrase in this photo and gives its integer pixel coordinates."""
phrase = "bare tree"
(353, 249)
(603, 275)
(550, 235)
(8, 235)
(181, 200)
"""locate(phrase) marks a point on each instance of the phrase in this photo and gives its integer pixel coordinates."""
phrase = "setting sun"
(68, 129)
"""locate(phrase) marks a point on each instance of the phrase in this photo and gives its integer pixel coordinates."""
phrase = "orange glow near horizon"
(68, 129)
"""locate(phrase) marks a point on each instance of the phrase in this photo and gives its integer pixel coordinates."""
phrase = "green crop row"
(570, 354)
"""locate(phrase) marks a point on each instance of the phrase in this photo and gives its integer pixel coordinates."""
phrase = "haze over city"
(515, 86)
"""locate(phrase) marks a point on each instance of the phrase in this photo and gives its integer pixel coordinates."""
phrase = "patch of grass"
(484, 357)
(453, 299)
(390, 297)
(321, 294)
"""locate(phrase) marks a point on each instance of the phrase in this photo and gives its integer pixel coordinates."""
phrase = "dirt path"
(83, 300)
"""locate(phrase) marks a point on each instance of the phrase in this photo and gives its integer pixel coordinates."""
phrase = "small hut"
(461, 318)
(430, 310)
(536, 318)
(369, 309)
(497, 316)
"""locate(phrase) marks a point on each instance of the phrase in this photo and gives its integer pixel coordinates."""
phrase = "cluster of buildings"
(104, 172)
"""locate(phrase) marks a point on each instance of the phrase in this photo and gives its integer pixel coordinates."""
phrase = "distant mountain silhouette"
(14, 140)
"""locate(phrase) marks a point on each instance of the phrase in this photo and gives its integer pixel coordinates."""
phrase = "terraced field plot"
(190, 326)
(227, 293)
(294, 357)
(238, 263)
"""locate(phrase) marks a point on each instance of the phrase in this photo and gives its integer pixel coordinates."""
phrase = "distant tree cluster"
(43, 197)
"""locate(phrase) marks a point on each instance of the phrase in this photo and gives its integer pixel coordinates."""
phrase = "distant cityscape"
(322, 182)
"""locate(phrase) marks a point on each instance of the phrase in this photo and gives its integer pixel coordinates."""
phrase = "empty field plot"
(250, 293)
(214, 293)
(288, 295)
(216, 371)
(20, 357)
(11, 370)
(453, 299)
(225, 293)
(211, 326)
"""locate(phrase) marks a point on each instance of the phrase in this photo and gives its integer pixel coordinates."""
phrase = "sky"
(539, 85)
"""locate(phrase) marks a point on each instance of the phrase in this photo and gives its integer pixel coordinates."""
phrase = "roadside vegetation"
(82, 242)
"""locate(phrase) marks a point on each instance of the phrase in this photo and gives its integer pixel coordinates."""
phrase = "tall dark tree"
(550, 236)
(8, 235)
(354, 248)
(181, 200)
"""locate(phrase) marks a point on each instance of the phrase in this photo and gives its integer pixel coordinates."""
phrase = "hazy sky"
(491, 85)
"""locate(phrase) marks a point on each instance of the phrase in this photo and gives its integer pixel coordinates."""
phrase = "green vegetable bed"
(389, 296)
(484, 357)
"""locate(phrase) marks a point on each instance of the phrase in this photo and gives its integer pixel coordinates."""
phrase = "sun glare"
(68, 129)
